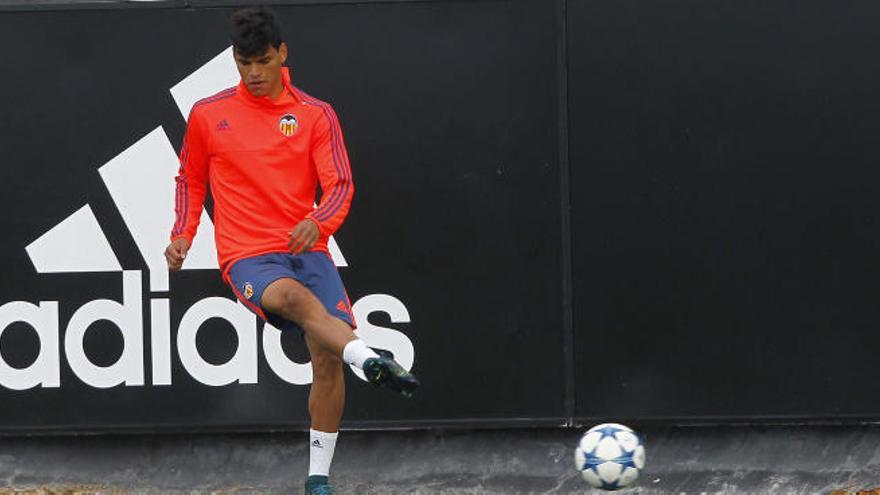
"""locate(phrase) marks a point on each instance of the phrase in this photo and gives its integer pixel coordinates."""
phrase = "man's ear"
(282, 51)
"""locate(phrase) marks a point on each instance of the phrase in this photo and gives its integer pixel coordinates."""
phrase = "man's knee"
(325, 365)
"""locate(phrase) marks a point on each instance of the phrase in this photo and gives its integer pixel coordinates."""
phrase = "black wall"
(590, 209)
(724, 207)
(454, 145)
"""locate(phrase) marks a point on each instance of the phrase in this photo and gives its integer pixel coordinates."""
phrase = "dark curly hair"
(254, 30)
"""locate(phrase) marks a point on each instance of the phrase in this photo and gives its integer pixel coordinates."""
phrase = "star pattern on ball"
(627, 461)
(610, 486)
(609, 431)
(609, 456)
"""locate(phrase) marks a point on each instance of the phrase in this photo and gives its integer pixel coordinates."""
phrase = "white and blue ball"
(609, 456)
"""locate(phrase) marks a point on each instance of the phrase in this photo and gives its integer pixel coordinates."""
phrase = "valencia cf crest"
(248, 290)
(288, 124)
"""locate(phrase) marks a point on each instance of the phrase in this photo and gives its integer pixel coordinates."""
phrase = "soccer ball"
(609, 456)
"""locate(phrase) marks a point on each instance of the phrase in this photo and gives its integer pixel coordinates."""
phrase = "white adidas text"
(127, 316)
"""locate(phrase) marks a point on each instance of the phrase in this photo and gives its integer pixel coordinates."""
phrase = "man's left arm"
(330, 159)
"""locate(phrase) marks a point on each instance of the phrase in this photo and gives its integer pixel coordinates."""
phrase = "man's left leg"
(326, 403)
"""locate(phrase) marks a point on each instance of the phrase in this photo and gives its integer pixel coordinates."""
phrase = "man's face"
(262, 73)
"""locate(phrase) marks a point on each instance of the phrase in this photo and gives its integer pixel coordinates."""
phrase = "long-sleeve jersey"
(264, 160)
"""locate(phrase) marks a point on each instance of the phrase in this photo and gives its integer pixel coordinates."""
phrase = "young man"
(265, 147)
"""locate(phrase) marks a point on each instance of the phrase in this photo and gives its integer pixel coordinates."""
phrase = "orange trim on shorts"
(253, 307)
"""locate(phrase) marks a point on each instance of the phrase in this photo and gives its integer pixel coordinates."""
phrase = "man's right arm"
(189, 195)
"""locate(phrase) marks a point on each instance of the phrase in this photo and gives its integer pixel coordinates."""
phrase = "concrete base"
(694, 460)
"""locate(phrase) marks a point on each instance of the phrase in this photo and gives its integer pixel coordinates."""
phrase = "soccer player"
(265, 146)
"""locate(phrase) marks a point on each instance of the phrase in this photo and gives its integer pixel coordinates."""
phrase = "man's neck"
(274, 93)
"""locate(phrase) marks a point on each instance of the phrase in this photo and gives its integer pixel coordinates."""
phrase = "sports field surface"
(777, 460)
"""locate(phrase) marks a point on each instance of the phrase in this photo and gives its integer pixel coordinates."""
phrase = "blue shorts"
(249, 277)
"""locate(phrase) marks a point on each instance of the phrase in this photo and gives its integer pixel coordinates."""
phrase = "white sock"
(321, 447)
(356, 352)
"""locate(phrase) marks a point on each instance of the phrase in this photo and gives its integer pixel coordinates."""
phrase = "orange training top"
(264, 159)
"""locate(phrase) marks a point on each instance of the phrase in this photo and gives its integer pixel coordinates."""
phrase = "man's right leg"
(326, 402)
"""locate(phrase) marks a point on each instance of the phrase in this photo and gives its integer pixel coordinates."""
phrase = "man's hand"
(303, 236)
(175, 253)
